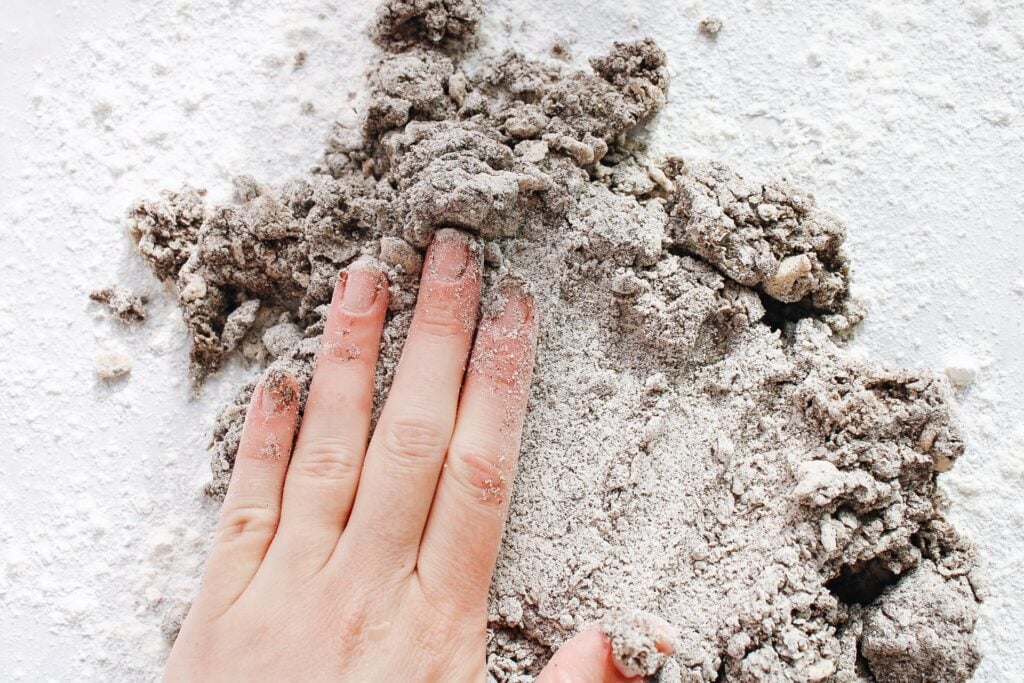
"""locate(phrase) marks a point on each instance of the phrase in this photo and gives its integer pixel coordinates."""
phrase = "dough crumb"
(122, 303)
(641, 642)
(446, 23)
(916, 631)
(112, 365)
(962, 368)
(711, 26)
(172, 620)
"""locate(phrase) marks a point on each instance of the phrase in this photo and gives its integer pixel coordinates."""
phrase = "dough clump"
(123, 304)
(699, 444)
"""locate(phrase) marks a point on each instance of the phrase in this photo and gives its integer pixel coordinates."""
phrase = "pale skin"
(342, 555)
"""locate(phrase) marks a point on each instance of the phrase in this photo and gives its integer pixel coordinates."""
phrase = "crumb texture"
(711, 26)
(917, 629)
(640, 642)
(123, 304)
(699, 445)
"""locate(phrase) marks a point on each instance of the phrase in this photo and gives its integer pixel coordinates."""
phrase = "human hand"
(369, 559)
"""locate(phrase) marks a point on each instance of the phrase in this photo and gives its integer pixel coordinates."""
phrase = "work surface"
(906, 121)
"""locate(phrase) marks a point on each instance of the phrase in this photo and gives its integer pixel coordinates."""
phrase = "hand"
(347, 560)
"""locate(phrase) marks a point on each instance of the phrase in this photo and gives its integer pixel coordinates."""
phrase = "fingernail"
(361, 283)
(278, 392)
(449, 255)
(515, 304)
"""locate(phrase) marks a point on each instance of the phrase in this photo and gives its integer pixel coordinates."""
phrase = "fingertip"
(280, 391)
(362, 285)
(357, 311)
(451, 278)
(273, 411)
(448, 302)
(641, 642)
(506, 342)
(512, 304)
(452, 255)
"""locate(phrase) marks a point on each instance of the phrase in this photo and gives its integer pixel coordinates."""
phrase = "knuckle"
(326, 459)
(343, 348)
(434, 642)
(483, 474)
(352, 629)
(504, 375)
(415, 438)
(446, 621)
(443, 322)
(438, 628)
(247, 521)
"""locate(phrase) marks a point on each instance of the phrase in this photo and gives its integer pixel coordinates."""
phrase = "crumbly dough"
(711, 26)
(122, 303)
(640, 642)
(699, 445)
(173, 619)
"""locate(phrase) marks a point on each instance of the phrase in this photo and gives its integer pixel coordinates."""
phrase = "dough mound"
(699, 445)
